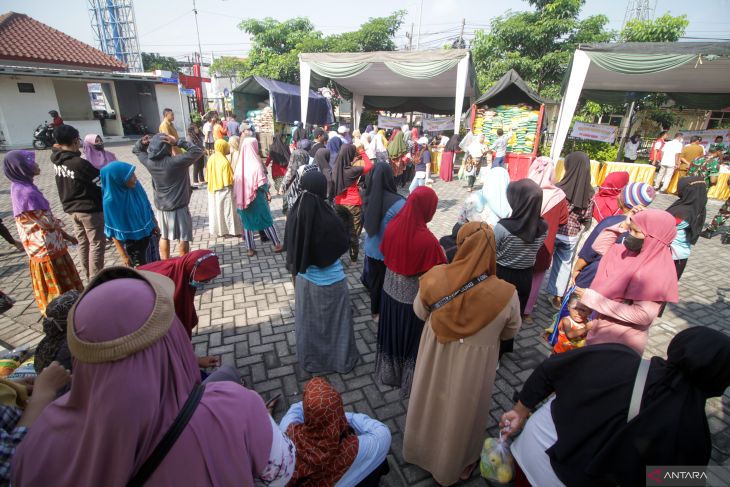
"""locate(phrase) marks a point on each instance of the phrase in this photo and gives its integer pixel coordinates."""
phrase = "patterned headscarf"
(53, 346)
(326, 445)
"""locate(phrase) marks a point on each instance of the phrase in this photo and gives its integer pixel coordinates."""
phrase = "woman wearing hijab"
(381, 203)
(195, 137)
(446, 171)
(576, 184)
(251, 192)
(397, 150)
(54, 344)
(422, 161)
(554, 211)
(333, 146)
(367, 144)
(298, 161)
(605, 202)
(235, 145)
(689, 212)
(222, 218)
(333, 447)
(322, 160)
(134, 369)
(315, 240)
(95, 153)
(458, 353)
(128, 217)
(634, 279)
(490, 204)
(584, 436)
(409, 250)
(52, 270)
(278, 158)
(350, 166)
(189, 273)
(380, 146)
(520, 236)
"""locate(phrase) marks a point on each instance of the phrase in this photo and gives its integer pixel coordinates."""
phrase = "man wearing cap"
(344, 134)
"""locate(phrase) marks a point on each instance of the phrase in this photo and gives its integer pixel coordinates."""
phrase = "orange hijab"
(474, 308)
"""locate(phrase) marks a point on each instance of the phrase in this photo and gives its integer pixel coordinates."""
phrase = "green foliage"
(598, 151)
(537, 44)
(276, 45)
(368, 117)
(152, 61)
(228, 66)
(666, 28)
(665, 118)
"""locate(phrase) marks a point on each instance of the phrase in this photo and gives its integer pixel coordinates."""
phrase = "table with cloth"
(595, 172)
(720, 191)
(638, 173)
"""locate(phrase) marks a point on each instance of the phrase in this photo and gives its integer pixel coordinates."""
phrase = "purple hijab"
(19, 166)
(97, 158)
(105, 427)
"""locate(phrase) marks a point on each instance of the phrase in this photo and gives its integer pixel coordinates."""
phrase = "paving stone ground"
(246, 318)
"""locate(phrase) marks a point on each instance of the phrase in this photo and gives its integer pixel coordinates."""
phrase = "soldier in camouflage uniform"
(722, 216)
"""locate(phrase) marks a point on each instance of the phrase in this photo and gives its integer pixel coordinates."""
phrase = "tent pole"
(305, 72)
(627, 125)
(581, 63)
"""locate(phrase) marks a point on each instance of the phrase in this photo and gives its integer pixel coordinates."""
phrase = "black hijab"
(322, 159)
(314, 234)
(525, 199)
(345, 174)
(691, 205)
(453, 144)
(576, 184)
(299, 134)
(593, 388)
(278, 151)
(380, 194)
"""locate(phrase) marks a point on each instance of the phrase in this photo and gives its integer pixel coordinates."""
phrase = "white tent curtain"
(461, 73)
(357, 106)
(305, 72)
(578, 73)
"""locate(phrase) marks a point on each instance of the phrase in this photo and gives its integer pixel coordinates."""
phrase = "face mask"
(99, 146)
(195, 284)
(634, 244)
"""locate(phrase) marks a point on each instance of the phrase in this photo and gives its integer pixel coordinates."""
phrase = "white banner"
(594, 131)
(390, 122)
(438, 124)
(708, 136)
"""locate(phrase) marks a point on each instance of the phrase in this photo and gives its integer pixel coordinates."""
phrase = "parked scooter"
(43, 136)
(134, 125)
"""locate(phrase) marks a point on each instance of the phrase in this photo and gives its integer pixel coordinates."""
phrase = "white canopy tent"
(436, 81)
(693, 74)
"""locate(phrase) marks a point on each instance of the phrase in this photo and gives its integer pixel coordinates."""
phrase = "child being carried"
(573, 327)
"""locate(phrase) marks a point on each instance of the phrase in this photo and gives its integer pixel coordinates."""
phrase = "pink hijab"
(542, 171)
(104, 429)
(97, 158)
(649, 275)
(250, 174)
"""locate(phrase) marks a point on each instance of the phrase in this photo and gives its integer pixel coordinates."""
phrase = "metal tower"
(116, 30)
(640, 10)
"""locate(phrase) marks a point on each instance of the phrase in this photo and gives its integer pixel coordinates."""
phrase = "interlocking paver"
(247, 317)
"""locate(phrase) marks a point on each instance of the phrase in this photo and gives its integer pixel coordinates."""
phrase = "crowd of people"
(447, 310)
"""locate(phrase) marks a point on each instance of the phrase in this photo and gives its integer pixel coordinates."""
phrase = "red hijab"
(326, 445)
(649, 275)
(198, 266)
(408, 245)
(606, 200)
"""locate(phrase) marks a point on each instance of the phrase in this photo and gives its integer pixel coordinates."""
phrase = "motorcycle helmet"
(53, 113)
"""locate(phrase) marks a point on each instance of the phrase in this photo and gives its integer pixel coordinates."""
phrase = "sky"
(168, 26)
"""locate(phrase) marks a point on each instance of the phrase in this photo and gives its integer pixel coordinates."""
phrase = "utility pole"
(420, 19)
(462, 44)
(197, 30)
(409, 35)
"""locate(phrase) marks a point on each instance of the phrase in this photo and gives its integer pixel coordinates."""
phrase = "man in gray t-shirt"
(171, 187)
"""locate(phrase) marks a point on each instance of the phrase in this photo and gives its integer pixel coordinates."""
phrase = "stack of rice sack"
(522, 119)
(263, 120)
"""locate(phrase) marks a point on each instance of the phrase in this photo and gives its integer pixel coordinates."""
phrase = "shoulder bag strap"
(167, 441)
(446, 299)
(638, 391)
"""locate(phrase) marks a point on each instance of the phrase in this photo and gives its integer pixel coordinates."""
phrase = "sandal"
(251, 253)
(468, 471)
(278, 249)
(272, 403)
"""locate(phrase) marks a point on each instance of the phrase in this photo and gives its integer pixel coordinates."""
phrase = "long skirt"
(222, 218)
(53, 277)
(522, 280)
(373, 277)
(399, 332)
(446, 171)
(324, 328)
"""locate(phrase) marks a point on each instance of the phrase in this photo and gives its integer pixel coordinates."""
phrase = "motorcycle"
(43, 136)
(134, 125)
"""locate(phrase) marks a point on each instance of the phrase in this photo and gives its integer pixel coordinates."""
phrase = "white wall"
(169, 97)
(73, 99)
(20, 113)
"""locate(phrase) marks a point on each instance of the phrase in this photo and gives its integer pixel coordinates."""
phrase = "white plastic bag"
(496, 462)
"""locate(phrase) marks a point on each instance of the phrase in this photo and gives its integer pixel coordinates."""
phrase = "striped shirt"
(513, 252)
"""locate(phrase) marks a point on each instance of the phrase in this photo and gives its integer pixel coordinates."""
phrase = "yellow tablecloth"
(435, 161)
(595, 171)
(720, 191)
(638, 173)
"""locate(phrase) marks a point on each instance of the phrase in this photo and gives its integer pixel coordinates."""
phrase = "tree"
(228, 66)
(537, 44)
(276, 45)
(152, 61)
(664, 29)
